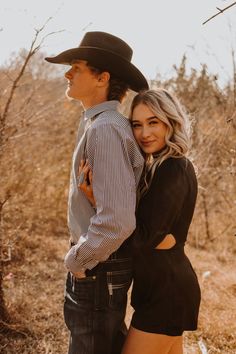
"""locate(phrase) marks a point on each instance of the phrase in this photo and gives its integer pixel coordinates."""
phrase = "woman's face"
(148, 130)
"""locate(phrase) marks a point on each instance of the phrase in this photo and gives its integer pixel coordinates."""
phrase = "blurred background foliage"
(37, 141)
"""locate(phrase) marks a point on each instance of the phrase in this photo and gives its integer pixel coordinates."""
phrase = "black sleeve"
(160, 207)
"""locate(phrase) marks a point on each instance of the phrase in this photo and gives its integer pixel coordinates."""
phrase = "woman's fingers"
(81, 179)
(86, 168)
(88, 191)
(83, 187)
(81, 165)
(83, 172)
(85, 178)
(90, 175)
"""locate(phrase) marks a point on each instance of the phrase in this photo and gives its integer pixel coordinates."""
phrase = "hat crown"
(108, 53)
(107, 42)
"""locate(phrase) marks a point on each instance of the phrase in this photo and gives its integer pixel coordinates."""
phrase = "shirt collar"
(99, 108)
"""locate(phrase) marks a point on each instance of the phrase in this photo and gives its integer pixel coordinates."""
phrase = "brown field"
(36, 148)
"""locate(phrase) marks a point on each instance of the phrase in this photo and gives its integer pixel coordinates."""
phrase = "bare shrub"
(212, 111)
(40, 136)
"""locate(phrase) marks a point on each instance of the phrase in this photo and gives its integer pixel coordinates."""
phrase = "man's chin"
(69, 94)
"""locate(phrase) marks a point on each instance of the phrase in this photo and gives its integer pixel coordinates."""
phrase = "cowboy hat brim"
(105, 60)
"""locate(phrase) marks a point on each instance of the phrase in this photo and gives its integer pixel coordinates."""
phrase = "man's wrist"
(79, 275)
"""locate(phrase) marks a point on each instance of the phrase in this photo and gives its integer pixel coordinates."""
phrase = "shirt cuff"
(73, 262)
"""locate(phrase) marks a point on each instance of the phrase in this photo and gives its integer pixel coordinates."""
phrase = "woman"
(166, 293)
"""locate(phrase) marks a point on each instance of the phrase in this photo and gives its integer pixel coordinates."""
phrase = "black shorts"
(166, 293)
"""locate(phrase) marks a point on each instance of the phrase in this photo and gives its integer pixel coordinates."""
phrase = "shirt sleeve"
(114, 190)
(161, 206)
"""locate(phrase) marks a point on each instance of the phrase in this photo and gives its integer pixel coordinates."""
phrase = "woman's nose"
(145, 132)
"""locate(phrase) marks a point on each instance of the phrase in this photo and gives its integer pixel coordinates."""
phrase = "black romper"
(166, 293)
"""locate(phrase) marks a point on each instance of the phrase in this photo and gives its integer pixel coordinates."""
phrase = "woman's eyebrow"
(148, 118)
(152, 117)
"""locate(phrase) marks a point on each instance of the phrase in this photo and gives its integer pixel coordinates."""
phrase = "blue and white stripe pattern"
(108, 143)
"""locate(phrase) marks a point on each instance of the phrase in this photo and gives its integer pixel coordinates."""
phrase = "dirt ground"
(34, 297)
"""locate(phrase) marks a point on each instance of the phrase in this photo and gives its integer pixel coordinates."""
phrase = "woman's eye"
(135, 125)
(153, 122)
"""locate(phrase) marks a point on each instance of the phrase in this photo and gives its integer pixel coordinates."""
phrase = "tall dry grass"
(35, 164)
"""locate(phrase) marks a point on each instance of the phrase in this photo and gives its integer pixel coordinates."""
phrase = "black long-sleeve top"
(168, 205)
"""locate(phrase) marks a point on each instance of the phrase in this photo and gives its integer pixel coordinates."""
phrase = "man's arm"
(115, 194)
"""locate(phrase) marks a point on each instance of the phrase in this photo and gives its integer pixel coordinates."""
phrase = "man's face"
(82, 83)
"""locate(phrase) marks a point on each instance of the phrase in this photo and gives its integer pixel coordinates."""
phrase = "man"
(99, 260)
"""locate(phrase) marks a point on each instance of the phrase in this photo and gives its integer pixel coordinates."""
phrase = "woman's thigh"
(140, 342)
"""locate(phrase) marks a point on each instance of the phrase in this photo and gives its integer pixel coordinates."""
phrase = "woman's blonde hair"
(168, 109)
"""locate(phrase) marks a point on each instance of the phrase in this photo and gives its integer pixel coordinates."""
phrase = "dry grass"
(41, 127)
(34, 297)
(37, 304)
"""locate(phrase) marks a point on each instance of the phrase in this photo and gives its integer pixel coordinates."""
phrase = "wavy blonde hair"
(168, 109)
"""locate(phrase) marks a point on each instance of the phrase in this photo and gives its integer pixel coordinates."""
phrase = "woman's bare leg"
(177, 347)
(140, 342)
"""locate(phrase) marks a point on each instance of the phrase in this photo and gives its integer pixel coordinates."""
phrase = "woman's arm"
(161, 206)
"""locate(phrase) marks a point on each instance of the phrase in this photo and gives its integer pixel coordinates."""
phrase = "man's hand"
(79, 275)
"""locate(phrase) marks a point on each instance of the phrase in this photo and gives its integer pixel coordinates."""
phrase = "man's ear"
(103, 78)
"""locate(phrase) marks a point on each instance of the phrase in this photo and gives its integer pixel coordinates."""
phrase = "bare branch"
(220, 12)
(33, 49)
(8, 76)
(85, 28)
(8, 196)
(47, 35)
(44, 25)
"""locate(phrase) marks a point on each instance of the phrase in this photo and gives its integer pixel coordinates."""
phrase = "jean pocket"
(118, 283)
(81, 291)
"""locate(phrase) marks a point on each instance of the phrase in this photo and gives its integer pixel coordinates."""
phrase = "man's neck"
(93, 101)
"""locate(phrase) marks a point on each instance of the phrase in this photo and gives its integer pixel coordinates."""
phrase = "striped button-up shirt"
(106, 140)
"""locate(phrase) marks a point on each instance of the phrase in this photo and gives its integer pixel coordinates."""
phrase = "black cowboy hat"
(107, 52)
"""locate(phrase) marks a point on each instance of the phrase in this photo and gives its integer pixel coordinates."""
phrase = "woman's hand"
(85, 178)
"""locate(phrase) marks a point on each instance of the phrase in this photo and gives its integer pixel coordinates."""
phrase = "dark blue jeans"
(94, 308)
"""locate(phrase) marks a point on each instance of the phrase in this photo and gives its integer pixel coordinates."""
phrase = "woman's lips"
(147, 143)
